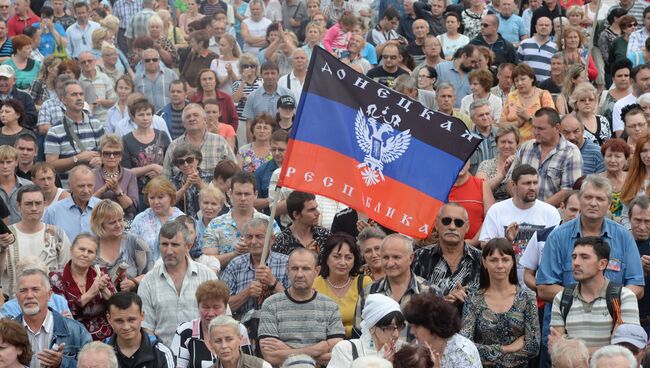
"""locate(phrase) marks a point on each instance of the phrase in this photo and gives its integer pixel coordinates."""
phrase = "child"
(337, 37)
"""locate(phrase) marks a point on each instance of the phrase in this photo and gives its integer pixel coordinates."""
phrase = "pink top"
(335, 38)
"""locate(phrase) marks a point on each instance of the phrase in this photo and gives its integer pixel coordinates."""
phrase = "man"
(135, 102)
(452, 265)
(137, 25)
(446, 99)
(104, 86)
(553, 83)
(8, 90)
(154, 81)
(52, 110)
(405, 27)
(640, 76)
(10, 183)
(304, 231)
(6, 45)
(27, 148)
(407, 85)
(23, 18)
(384, 32)
(433, 13)
(221, 238)
(167, 291)
(296, 79)
(173, 111)
(247, 277)
(632, 337)
(588, 317)
(639, 215)
(415, 48)
(505, 83)
(520, 216)
(213, 147)
(6, 10)
(431, 54)
(549, 9)
(133, 346)
(504, 51)
(538, 50)
(55, 340)
(455, 72)
(511, 26)
(484, 128)
(60, 16)
(634, 8)
(97, 355)
(75, 140)
(80, 32)
(557, 161)
(300, 320)
(216, 29)
(73, 213)
(124, 10)
(573, 131)
(389, 70)
(199, 57)
(613, 356)
(294, 13)
(637, 38)
(279, 142)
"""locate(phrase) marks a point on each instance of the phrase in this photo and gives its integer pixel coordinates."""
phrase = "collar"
(601, 295)
(576, 228)
(192, 269)
(71, 204)
(47, 327)
(413, 286)
(145, 352)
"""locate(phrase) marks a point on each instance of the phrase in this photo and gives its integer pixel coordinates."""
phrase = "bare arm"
(275, 351)
(557, 198)
(548, 292)
(529, 279)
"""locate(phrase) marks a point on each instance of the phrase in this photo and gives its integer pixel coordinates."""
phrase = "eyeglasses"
(248, 66)
(389, 57)
(86, 61)
(83, 39)
(180, 161)
(154, 60)
(485, 25)
(457, 222)
(112, 154)
(391, 328)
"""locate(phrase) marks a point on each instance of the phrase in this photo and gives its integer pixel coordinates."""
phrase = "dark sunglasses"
(181, 161)
(248, 66)
(155, 60)
(457, 222)
(112, 153)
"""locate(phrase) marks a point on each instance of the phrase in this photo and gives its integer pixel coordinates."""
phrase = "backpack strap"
(613, 299)
(566, 301)
(355, 352)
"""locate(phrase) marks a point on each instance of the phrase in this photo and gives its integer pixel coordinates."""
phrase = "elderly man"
(52, 110)
(573, 131)
(504, 51)
(505, 83)
(167, 291)
(296, 79)
(407, 85)
(511, 26)
(639, 215)
(415, 48)
(80, 33)
(104, 86)
(97, 355)
(213, 147)
(483, 127)
(154, 81)
(8, 91)
(73, 213)
(6, 45)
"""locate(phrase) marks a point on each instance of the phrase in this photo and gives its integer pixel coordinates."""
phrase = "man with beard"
(573, 131)
(520, 216)
(455, 72)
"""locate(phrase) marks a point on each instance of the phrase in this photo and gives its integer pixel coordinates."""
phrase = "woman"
(211, 202)
(253, 28)
(339, 277)
(480, 82)
(190, 15)
(190, 179)
(125, 257)
(618, 48)
(501, 318)
(159, 195)
(14, 344)
(253, 155)
(596, 127)
(44, 176)
(494, 170)
(165, 47)
(454, 38)
(521, 104)
(427, 77)
(43, 87)
(248, 82)
(12, 114)
(636, 125)
(638, 174)
(227, 65)
(98, 37)
(113, 63)
(382, 321)
(609, 34)
(123, 87)
(485, 59)
(213, 115)
(441, 335)
(190, 342)
(616, 153)
(286, 113)
(175, 35)
(313, 38)
(575, 75)
(226, 339)
(24, 66)
(207, 90)
(621, 70)
(577, 52)
(112, 181)
(86, 288)
(144, 147)
(475, 196)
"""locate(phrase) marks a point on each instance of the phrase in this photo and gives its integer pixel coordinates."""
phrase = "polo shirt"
(67, 215)
(537, 56)
(447, 72)
(15, 25)
(512, 28)
(260, 101)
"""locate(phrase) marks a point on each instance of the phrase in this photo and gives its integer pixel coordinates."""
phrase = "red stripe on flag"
(311, 168)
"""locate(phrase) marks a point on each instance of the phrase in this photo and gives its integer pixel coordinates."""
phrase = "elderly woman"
(620, 70)
(501, 318)
(314, 36)
(441, 335)
(44, 175)
(12, 115)
(112, 64)
(159, 195)
(113, 181)
(584, 99)
(494, 170)
(480, 82)
(616, 153)
(227, 65)
(24, 66)
(211, 201)
(226, 339)
(382, 321)
(369, 240)
(644, 102)
(190, 179)
(16, 349)
(165, 47)
(174, 34)
(190, 344)
(125, 257)
(253, 155)
(85, 287)
(43, 87)
(524, 101)
(248, 82)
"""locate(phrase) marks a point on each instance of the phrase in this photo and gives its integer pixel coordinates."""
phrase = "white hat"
(377, 307)
(7, 71)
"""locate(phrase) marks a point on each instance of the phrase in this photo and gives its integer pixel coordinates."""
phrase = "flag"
(373, 149)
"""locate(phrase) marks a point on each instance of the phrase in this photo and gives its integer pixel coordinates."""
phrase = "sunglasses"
(112, 154)
(457, 222)
(248, 66)
(155, 60)
(180, 161)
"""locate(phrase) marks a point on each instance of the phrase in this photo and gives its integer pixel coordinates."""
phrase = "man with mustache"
(455, 72)
(573, 130)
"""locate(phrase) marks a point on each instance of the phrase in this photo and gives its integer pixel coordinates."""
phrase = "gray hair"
(612, 351)
(570, 352)
(445, 85)
(404, 82)
(68, 83)
(642, 201)
(98, 346)
(258, 2)
(558, 55)
(36, 271)
(82, 236)
(224, 321)
(598, 182)
(81, 169)
(299, 360)
(476, 104)
(408, 242)
(151, 51)
(452, 204)
(31, 262)
(253, 223)
(191, 106)
(370, 232)
(171, 228)
(644, 98)
(371, 362)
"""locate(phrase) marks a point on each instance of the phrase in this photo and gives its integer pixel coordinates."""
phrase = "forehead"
(31, 196)
(638, 211)
(570, 123)
(31, 281)
(393, 246)
(302, 259)
(257, 229)
(178, 239)
(527, 178)
(242, 187)
(453, 211)
(81, 176)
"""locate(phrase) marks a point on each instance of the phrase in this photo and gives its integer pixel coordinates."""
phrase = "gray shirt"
(156, 90)
(260, 101)
(447, 72)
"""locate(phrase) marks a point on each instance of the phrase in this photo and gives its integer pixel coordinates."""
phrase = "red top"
(470, 196)
(226, 105)
(15, 26)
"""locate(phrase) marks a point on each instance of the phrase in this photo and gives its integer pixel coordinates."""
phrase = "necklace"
(111, 175)
(337, 286)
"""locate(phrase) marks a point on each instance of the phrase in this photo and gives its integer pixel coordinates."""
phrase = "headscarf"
(377, 307)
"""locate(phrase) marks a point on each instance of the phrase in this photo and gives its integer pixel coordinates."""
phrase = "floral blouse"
(603, 131)
(252, 162)
(460, 352)
(93, 314)
(490, 330)
(146, 226)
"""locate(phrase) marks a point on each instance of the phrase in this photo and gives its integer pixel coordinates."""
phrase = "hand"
(389, 350)
(6, 240)
(511, 231)
(255, 289)
(513, 347)
(294, 22)
(554, 337)
(51, 358)
(113, 185)
(362, 225)
(86, 156)
(95, 162)
(276, 344)
(263, 274)
(155, 168)
(194, 179)
(127, 285)
(435, 356)
(457, 294)
(522, 114)
(241, 247)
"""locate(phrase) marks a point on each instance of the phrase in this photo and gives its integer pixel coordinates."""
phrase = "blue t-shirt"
(48, 43)
(512, 28)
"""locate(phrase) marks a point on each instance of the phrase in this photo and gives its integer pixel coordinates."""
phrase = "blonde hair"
(214, 192)
(155, 19)
(247, 58)
(111, 139)
(103, 211)
(8, 152)
(99, 35)
(575, 9)
(581, 90)
(112, 23)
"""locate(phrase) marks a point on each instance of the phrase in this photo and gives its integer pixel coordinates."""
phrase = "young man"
(27, 151)
(133, 346)
(173, 111)
(10, 183)
(304, 231)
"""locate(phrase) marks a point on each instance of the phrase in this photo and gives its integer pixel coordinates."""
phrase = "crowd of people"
(142, 141)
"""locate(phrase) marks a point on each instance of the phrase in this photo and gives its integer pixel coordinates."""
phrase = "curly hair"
(427, 310)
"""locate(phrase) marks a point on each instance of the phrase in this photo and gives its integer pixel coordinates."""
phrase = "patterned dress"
(252, 162)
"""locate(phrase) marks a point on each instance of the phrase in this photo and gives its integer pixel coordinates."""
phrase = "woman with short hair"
(584, 100)
(480, 82)
(190, 178)
(113, 181)
(12, 116)
(21, 61)
(16, 348)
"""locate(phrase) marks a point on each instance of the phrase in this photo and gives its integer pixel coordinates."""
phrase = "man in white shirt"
(296, 79)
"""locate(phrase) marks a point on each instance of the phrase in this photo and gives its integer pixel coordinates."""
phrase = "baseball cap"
(286, 101)
(631, 334)
(7, 71)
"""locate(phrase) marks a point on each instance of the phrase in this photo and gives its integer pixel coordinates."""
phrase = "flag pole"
(273, 196)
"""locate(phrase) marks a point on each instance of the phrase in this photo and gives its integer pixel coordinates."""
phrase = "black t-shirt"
(379, 74)
(550, 86)
(644, 303)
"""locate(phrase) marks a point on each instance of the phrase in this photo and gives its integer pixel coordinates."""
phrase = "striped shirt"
(537, 56)
(7, 48)
(125, 10)
(105, 90)
(248, 89)
(591, 321)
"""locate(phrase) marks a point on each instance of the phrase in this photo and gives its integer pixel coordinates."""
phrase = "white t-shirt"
(256, 29)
